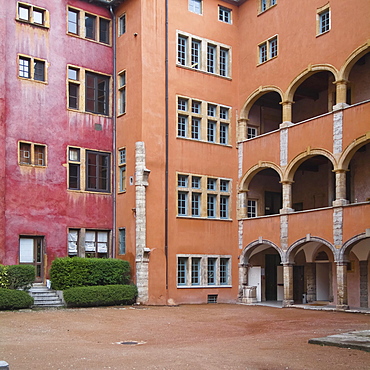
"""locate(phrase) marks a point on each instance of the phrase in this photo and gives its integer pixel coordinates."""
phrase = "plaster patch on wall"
(240, 234)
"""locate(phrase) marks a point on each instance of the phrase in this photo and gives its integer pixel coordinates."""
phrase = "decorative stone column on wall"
(287, 197)
(287, 111)
(342, 298)
(288, 284)
(243, 269)
(340, 188)
(341, 93)
(311, 281)
(242, 129)
(142, 252)
(364, 292)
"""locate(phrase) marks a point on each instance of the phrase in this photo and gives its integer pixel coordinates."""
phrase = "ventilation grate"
(212, 298)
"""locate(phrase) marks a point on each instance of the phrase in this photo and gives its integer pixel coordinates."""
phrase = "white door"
(322, 281)
(254, 279)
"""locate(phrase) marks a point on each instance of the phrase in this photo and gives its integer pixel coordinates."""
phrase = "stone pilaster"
(284, 232)
(338, 132)
(288, 284)
(142, 252)
(342, 297)
(341, 93)
(340, 188)
(240, 234)
(364, 288)
(287, 111)
(242, 129)
(338, 226)
(287, 197)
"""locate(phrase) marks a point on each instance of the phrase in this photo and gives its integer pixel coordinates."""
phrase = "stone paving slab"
(353, 340)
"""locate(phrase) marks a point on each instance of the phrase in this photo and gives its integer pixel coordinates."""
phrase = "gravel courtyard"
(215, 336)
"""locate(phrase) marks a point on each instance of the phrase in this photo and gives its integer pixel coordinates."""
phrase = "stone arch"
(253, 245)
(352, 59)
(304, 75)
(300, 158)
(248, 176)
(262, 90)
(351, 149)
(349, 244)
(289, 255)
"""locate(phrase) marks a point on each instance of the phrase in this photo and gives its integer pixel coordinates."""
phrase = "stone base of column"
(340, 106)
(286, 124)
(342, 307)
(340, 202)
(284, 211)
(287, 302)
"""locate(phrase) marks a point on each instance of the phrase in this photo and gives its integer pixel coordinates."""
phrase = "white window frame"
(193, 271)
(268, 50)
(31, 69)
(122, 81)
(197, 193)
(323, 20)
(224, 14)
(215, 58)
(265, 5)
(122, 24)
(195, 6)
(193, 116)
(252, 208)
(122, 170)
(84, 242)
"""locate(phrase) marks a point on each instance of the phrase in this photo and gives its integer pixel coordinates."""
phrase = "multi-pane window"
(195, 54)
(203, 270)
(31, 68)
(266, 4)
(122, 241)
(122, 169)
(195, 6)
(31, 154)
(251, 208)
(268, 50)
(91, 96)
(122, 92)
(192, 50)
(122, 25)
(74, 168)
(97, 90)
(251, 132)
(203, 121)
(97, 171)
(93, 243)
(224, 14)
(323, 21)
(32, 14)
(89, 26)
(203, 197)
(88, 170)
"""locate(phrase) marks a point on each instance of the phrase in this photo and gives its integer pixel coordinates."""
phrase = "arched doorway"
(314, 96)
(263, 270)
(356, 253)
(314, 184)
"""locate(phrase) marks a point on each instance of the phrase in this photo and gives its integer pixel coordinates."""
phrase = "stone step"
(44, 297)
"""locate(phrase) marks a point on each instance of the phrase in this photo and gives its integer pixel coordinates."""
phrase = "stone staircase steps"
(44, 297)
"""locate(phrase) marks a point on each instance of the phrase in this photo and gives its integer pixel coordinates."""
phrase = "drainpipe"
(114, 123)
(166, 175)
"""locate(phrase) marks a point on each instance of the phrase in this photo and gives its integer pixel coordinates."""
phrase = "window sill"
(322, 33)
(32, 165)
(33, 80)
(202, 71)
(262, 63)
(87, 39)
(203, 218)
(44, 26)
(203, 286)
(85, 112)
(121, 115)
(204, 142)
(89, 192)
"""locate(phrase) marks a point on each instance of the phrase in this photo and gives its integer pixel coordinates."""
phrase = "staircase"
(44, 297)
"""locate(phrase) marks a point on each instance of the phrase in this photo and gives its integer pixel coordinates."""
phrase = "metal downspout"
(166, 175)
(114, 122)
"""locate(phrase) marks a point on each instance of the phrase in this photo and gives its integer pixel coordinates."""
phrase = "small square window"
(122, 156)
(73, 21)
(251, 132)
(211, 184)
(39, 70)
(195, 107)
(74, 154)
(224, 185)
(224, 14)
(90, 26)
(73, 73)
(251, 208)
(182, 104)
(38, 16)
(195, 182)
(24, 12)
(182, 181)
(224, 113)
(211, 110)
(24, 67)
(195, 6)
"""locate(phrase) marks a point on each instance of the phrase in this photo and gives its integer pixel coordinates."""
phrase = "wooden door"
(31, 252)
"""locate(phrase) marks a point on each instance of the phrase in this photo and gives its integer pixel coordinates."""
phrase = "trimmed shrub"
(107, 295)
(21, 276)
(11, 299)
(17, 276)
(73, 272)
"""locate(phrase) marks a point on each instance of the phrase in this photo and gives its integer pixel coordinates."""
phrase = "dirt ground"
(215, 336)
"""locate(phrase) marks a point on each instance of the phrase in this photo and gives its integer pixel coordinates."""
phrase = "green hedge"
(77, 272)
(108, 295)
(17, 276)
(14, 299)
